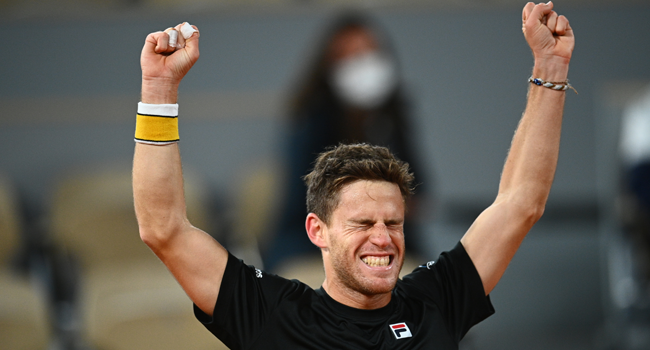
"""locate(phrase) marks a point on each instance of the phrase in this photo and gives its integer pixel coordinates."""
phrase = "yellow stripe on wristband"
(156, 129)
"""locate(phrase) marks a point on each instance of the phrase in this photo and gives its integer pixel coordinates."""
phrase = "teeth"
(376, 260)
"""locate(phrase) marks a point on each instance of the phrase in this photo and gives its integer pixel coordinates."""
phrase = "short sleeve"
(454, 285)
(246, 299)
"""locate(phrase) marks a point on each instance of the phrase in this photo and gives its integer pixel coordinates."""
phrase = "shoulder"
(453, 270)
(240, 275)
(249, 298)
(453, 284)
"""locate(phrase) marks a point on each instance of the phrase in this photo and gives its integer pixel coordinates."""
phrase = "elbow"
(525, 215)
(528, 208)
(150, 237)
(156, 234)
(536, 204)
(535, 212)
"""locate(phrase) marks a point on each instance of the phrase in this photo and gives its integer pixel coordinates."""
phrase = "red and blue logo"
(400, 330)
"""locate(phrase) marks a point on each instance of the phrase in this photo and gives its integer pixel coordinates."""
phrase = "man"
(357, 224)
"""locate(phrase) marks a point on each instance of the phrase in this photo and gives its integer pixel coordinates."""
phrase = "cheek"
(349, 243)
(398, 239)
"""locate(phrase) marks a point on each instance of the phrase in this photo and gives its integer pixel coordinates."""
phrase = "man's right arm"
(196, 260)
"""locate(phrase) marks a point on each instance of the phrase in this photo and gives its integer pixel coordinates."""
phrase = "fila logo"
(400, 330)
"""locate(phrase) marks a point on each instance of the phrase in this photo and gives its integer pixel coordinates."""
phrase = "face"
(365, 239)
(360, 75)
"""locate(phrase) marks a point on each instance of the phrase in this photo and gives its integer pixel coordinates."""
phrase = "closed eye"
(361, 223)
(394, 223)
(367, 224)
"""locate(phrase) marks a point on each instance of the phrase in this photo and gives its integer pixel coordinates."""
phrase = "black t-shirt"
(431, 308)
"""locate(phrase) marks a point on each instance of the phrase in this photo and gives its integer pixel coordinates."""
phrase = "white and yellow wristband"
(157, 124)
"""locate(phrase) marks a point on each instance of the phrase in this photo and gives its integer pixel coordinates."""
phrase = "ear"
(316, 230)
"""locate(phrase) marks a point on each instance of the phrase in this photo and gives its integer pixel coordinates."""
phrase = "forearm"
(157, 177)
(530, 166)
(158, 187)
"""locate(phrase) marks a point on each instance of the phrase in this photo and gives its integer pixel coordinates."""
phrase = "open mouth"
(377, 261)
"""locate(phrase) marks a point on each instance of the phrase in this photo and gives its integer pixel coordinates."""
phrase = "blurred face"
(365, 240)
(361, 75)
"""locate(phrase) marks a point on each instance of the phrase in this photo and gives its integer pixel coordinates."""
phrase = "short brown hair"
(346, 163)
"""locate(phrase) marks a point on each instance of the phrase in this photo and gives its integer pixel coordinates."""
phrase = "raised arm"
(497, 233)
(195, 259)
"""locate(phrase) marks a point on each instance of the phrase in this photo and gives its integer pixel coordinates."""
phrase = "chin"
(375, 285)
(382, 288)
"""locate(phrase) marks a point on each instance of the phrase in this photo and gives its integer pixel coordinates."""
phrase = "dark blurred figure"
(631, 278)
(350, 93)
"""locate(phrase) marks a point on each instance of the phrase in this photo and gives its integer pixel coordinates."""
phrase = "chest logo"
(400, 330)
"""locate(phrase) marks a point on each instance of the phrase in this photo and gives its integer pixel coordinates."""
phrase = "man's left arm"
(497, 233)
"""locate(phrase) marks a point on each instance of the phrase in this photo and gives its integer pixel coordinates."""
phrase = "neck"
(352, 298)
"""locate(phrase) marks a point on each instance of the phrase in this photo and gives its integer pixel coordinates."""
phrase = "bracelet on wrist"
(157, 124)
(553, 85)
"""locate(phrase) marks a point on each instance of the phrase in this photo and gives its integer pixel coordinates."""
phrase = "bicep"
(493, 239)
(198, 263)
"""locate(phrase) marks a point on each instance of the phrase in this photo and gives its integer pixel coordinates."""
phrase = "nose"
(380, 236)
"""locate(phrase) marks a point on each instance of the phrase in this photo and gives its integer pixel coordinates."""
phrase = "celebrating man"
(356, 203)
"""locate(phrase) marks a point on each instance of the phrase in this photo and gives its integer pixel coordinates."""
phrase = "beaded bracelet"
(558, 86)
(157, 124)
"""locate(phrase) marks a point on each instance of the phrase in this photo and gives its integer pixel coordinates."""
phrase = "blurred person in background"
(630, 253)
(351, 92)
(635, 154)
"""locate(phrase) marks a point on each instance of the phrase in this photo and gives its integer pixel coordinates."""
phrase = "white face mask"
(364, 81)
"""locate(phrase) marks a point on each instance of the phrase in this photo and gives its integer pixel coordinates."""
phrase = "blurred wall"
(68, 94)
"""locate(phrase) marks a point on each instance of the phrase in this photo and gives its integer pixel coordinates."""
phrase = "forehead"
(350, 42)
(366, 197)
